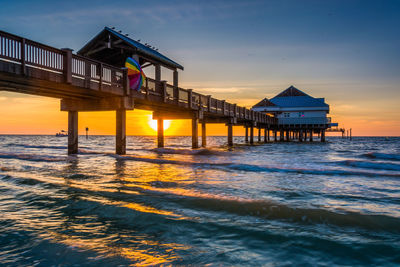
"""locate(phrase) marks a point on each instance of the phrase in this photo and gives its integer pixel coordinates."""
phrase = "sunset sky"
(242, 51)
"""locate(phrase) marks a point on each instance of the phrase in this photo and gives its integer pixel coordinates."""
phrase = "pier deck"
(84, 84)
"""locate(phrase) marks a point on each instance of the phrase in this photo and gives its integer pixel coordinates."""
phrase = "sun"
(153, 124)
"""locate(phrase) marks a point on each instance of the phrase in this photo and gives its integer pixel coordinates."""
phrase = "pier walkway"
(84, 84)
(95, 80)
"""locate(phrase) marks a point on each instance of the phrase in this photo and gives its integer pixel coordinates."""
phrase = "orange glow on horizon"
(23, 114)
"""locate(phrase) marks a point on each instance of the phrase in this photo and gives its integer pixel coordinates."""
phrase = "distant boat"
(61, 134)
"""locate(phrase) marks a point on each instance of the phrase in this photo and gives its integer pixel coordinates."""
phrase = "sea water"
(275, 204)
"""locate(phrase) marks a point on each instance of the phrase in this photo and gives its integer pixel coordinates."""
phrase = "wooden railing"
(63, 66)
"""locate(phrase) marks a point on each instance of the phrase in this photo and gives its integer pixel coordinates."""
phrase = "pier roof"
(101, 46)
(264, 103)
(291, 91)
(299, 101)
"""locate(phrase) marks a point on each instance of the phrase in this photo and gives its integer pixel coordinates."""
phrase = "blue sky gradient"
(346, 51)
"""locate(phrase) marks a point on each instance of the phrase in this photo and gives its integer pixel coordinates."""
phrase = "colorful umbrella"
(135, 74)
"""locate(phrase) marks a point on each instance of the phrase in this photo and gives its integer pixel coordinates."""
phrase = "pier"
(95, 80)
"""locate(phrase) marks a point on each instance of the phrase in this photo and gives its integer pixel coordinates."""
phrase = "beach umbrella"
(135, 74)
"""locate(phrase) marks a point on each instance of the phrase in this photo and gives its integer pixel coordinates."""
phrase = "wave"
(32, 157)
(202, 151)
(37, 146)
(253, 168)
(277, 211)
(384, 156)
(371, 165)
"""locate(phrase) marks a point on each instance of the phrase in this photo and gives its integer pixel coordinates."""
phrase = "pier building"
(298, 114)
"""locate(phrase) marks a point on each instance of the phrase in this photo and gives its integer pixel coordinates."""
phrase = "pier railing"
(304, 121)
(36, 60)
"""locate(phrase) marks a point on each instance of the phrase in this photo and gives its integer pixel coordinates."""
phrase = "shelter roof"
(101, 43)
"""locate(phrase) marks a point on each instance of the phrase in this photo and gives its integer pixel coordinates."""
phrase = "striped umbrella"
(135, 74)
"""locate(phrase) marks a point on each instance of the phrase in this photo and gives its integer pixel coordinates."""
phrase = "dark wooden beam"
(103, 104)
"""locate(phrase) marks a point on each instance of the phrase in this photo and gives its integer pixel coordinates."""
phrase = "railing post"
(67, 68)
(209, 103)
(176, 95)
(175, 78)
(223, 107)
(22, 52)
(190, 99)
(164, 91)
(101, 77)
(147, 89)
(126, 84)
(88, 74)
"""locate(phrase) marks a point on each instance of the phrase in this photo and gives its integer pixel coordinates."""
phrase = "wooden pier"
(85, 84)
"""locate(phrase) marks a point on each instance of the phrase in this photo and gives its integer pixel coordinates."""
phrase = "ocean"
(275, 204)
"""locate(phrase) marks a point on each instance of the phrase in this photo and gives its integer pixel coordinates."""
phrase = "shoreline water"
(333, 203)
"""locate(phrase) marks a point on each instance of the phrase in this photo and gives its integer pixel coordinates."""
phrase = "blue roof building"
(294, 107)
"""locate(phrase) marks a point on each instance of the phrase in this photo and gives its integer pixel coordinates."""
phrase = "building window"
(301, 114)
(286, 115)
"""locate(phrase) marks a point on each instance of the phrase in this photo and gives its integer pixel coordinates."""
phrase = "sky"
(241, 51)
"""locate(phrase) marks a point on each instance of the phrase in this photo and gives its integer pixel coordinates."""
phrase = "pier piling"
(251, 134)
(120, 137)
(230, 134)
(265, 135)
(203, 134)
(160, 132)
(72, 132)
(195, 133)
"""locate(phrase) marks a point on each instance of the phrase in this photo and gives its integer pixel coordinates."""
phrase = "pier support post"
(275, 135)
(72, 132)
(160, 132)
(230, 134)
(246, 138)
(259, 134)
(311, 135)
(301, 136)
(195, 132)
(266, 135)
(281, 137)
(203, 133)
(322, 135)
(287, 136)
(120, 137)
(251, 134)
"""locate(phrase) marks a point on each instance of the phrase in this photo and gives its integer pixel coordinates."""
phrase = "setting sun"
(153, 124)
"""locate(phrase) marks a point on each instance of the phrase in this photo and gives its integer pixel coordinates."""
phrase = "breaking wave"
(371, 165)
(384, 156)
(37, 146)
(253, 168)
(202, 151)
(32, 157)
